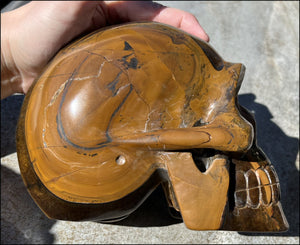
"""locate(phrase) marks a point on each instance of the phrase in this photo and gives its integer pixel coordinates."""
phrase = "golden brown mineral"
(129, 107)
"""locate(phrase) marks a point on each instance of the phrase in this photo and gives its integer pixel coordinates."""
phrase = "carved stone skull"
(127, 108)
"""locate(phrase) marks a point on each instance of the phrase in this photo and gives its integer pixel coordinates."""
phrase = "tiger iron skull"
(129, 107)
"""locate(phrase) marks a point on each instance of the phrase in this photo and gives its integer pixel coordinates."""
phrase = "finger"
(123, 11)
(182, 20)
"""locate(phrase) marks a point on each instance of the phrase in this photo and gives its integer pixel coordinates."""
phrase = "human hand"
(33, 33)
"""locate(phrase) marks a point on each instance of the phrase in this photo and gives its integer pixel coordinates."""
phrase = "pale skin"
(32, 34)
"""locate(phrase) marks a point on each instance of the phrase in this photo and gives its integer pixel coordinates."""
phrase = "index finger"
(121, 11)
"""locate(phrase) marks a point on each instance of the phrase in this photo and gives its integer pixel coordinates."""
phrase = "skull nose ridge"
(238, 72)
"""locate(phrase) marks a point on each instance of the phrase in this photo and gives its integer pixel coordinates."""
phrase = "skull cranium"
(127, 108)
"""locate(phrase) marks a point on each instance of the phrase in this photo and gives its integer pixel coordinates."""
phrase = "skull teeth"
(255, 188)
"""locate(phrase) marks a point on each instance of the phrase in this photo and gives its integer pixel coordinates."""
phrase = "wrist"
(11, 81)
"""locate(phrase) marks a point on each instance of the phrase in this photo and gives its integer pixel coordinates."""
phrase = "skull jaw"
(204, 200)
(196, 193)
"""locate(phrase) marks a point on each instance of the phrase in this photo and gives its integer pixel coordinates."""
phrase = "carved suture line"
(148, 119)
(141, 97)
(95, 165)
(113, 62)
(95, 76)
(108, 60)
(58, 75)
(97, 54)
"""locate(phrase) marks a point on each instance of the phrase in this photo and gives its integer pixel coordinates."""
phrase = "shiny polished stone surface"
(264, 36)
